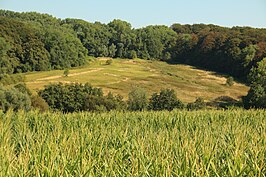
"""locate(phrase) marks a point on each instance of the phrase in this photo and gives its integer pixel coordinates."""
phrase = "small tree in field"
(137, 99)
(165, 100)
(109, 62)
(230, 81)
(66, 72)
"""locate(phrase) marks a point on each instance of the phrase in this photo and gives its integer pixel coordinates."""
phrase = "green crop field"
(123, 74)
(177, 143)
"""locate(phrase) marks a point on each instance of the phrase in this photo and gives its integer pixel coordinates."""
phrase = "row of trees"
(35, 42)
(78, 97)
(40, 42)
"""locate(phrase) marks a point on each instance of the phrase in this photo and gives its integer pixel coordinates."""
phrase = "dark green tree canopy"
(165, 100)
(37, 42)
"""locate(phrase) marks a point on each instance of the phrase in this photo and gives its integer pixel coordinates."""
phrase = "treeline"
(35, 42)
(77, 97)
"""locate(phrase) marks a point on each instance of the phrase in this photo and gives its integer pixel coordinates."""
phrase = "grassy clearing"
(178, 143)
(122, 75)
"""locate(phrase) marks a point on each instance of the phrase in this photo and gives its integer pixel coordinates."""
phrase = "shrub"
(104, 103)
(114, 102)
(66, 72)
(198, 104)
(224, 102)
(132, 54)
(137, 99)
(109, 62)
(78, 97)
(13, 99)
(165, 100)
(230, 81)
(39, 103)
(69, 97)
(94, 103)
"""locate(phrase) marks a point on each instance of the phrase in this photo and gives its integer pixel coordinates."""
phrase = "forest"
(38, 42)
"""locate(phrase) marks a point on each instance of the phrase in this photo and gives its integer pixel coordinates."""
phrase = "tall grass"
(177, 143)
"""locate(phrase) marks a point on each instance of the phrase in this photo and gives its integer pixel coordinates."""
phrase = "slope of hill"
(122, 75)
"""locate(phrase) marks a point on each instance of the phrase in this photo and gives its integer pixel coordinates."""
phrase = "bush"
(165, 100)
(132, 54)
(109, 62)
(137, 99)
(94, 103)
(104, 103)
(78, 97)
(69, 97)
(112, 102)
(39, 103)
(198, 104)
(66, 72)
(14, 99)
(230, 81)
(224, 102)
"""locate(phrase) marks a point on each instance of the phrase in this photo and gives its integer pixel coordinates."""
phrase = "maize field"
(176, 143)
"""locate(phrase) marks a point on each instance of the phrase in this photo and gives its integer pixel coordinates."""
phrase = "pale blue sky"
(149, 12)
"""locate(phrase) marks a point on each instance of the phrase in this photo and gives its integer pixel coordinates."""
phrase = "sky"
(141, 13)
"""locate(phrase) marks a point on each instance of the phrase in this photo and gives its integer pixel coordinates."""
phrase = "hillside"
(40, 42)
(122, 75)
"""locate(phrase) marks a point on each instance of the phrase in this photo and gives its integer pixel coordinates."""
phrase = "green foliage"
(112, 50)
(165, 100)
(249, 53)
(78, 97)
(137, 99)
(258, 74)
(66, 72)
(114, 102)
(197, 105)
(109, 62)
(224, 102)
(11, 98)
(23, 88)
(256, 97)
(39, 103)
(37, 42)
(132, 54)
(230, 81)
(33, 47)
(69, 97)
(104, 103)
(7, 79)
(155, 42)
(5, 65)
